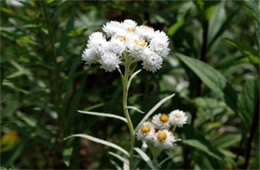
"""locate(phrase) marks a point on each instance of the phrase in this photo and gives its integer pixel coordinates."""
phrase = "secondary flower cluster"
(158, 131)
(121, 39)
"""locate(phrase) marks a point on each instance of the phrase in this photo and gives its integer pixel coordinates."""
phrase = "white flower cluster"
(158, 131)
(125, 38)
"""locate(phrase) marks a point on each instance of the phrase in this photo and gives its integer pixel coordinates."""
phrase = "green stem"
(55, 86)
(129, 122)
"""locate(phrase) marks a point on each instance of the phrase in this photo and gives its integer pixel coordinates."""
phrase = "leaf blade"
(103, 115)
(213, 79)
(101, 141)
(145, 158)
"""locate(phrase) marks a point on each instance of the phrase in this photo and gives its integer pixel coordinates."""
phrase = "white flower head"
(116, 46)
(145, 32)
(90, 56)
(178, 118)
(121, 39)
(112, 27)
(109, 61)
(161, 121)
(151, 61)
(159, 44)
(136, 48)
(164, 139)
(146, 132)
(97, 42)
(128, 23)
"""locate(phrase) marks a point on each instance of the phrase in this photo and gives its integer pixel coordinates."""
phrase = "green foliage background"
(213, 68)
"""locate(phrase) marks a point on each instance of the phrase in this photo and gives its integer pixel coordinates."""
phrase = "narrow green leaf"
(253, 7)
(145, 158)
(165, 160)
(135, 109)
(116, 165)
(171, 31)
(227, 140)
(119, 157)
(216, 34)
(103, 115)
(217, 19)
(213, 79)
(66, 155)
(131, 78)
(247, 102)
(203, 147)
(76, 32)
(100, 141)
(246, 49)
(153, 110)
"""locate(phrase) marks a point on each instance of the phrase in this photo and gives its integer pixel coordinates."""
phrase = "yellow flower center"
(131, 29)
(161, 136)
(178, 115)
(121, 37)
(163, 118)
(145, 129)
(140, 42)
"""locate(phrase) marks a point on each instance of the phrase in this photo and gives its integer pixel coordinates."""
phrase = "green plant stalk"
(129, 122)
(55, 87)
(155, 152)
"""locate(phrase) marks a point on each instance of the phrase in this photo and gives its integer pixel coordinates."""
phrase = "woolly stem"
(125, 109)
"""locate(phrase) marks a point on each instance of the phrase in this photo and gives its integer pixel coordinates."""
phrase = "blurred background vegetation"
(213, 68)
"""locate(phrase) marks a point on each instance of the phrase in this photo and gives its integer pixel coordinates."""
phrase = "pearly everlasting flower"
(112, 27)
(128, 23)
(90, 56)
(161, 121)
(151, 61)
(146, 132)
(97, 42)
(164, 139)
(159, 44)
(121, 39)
(178, 118)
(136, 48)
(109, 61)
(116, 46)
(145, 32)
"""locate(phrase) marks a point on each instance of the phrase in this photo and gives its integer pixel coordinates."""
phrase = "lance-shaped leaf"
(204, 147)
(131, 78)
(213, 79)
(119, 157)
(116, 165)
(103, 115)
(145, 157)
(101, 141)
(153, 110)
(135, 109)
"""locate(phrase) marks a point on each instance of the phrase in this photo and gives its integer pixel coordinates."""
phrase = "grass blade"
(135, 109)
(145, 158)
(131, 78)
(101, 141)
(103, 115)
(119, 157)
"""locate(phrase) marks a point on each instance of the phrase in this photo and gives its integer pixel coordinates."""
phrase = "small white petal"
(90, 56)
(178, 118)
(151, 61)
(109, 61)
